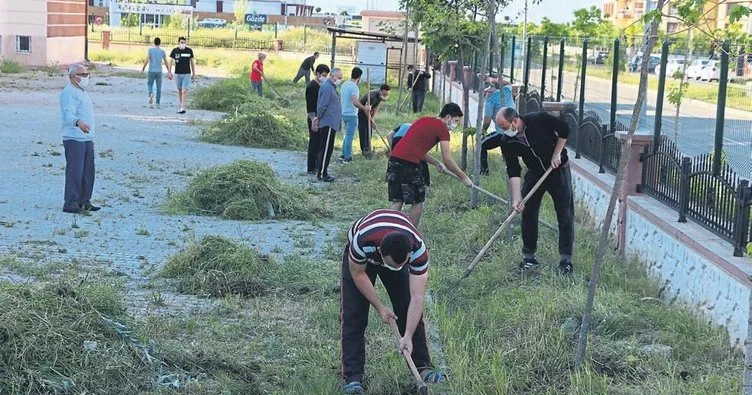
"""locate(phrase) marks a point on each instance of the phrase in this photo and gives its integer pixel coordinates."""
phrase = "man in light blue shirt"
(155, 57)
(498, 95)
(77, 116)
(350, 93)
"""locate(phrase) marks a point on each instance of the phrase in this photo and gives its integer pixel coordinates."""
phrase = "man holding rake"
(386, 244)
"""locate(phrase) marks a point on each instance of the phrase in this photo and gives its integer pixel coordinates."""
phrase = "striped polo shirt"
(367, 233)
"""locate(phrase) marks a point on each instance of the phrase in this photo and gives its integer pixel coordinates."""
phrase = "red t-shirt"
(256, 75)
(420, 138)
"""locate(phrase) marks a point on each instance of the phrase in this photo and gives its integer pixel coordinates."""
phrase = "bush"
(11, 67)
(217, 266)
(251, 127)
(244, 190)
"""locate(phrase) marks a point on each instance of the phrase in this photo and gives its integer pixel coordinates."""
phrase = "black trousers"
(364, 132)
(302, 74)
(491, 141)
(354, 309)
(314, 145)
(79, 173)
(559, 186)
(419, 96)
(326, 146)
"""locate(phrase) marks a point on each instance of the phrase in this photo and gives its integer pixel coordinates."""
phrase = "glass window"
(23, 44)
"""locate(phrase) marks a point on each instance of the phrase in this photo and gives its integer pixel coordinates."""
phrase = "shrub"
(244, 190)
(9, 66)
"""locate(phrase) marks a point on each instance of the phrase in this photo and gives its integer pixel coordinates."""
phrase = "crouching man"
(384, 243)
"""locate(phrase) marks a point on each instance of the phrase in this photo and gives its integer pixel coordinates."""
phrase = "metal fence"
(701, 177)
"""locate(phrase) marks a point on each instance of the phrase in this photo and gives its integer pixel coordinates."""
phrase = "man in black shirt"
(305, 68)
(185, 71)
(312, 97)
(539, 139)
(418, 81)
(364, 120)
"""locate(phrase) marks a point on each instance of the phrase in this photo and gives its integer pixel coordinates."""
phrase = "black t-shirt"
(312, 96)
(182, 58)
(375, 101)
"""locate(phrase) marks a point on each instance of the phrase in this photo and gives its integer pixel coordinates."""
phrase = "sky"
(556, 10)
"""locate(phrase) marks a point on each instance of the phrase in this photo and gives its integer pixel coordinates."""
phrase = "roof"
(383, 14)
(359, 34)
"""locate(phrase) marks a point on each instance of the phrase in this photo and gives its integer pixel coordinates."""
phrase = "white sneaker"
(151, 99)
(158, 106)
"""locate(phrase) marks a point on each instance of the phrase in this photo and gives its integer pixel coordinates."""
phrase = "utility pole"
(524, 36)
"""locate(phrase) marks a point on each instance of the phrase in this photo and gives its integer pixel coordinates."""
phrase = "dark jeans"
(559, 186)
(491, 141)
(364, 135)
(419, 96)
(326, 146)
(258, 87)
(314, 146)
(302, 74)
(79, 173)
(354, 317)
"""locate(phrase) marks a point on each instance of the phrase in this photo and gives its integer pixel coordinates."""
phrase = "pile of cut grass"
(229, 94)
(249, 126)
(244, 190)
(216, 266)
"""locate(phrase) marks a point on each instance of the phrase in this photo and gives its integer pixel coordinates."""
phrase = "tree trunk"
(649, 43)
(687, 58)
(460, 72)
(403, 62)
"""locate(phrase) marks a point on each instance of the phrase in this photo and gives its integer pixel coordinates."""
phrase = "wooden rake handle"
(422, 387)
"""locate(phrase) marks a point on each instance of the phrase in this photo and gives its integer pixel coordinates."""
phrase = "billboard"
(126, 7)
(256, 20)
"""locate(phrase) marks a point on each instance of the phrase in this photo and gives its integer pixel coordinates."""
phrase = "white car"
(711, 71)
(694, 71)
(672, 66)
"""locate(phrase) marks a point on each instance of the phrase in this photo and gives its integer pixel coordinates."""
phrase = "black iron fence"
(209, 41)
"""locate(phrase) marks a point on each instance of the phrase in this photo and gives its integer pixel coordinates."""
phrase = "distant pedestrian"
(306, 68)
(78, 126)
(350, 107)
(155, 57)
(417, 82)
(329, 120)
(312, 98)
(498, 95)
(366, 119)
(257, 73)
(185, 71)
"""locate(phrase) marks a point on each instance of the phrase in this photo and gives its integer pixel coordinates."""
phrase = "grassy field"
(499, 333)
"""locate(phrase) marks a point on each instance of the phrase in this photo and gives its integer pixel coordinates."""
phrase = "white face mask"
(383, 97)
(452, 125)
(510, 133)
(182, 46)
(83, 82)
(339, 81)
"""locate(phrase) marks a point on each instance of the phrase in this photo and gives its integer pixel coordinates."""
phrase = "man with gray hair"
(77, 115)
(539, 139)
(328, 121)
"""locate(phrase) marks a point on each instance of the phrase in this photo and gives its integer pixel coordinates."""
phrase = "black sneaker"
(89, 207)
(565, 267)
(74, 210)
(528, 264)
(312, 172)
(326, 179)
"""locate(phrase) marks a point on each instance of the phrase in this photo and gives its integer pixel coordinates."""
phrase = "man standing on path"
(350, 106)
(417, 81)
(406, 184)
(155, 57)
(328, 121)
(185, 71)
(366, 118)
(385, 244)
(257, 72)
(77, 115)
(498, 95)
(305, 68)
(539, 139)
(312, 98)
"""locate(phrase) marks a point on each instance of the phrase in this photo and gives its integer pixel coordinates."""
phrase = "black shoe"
(326, 178)
(565, 267)
(312, 172)
(528, 264)
(73, 210)
(89, 207)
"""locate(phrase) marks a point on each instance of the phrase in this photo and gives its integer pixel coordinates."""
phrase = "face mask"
(84, 82)
(452, 125)
(392, 268)
(182, 46)
(383, 97)
(338, 82)
(510, 132)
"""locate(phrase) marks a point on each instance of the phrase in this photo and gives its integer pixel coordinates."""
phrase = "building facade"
(42, 32)
(623, 13)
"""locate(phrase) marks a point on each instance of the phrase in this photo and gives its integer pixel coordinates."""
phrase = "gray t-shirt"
(156, 59)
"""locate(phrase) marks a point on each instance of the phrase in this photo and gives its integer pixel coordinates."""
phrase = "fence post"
(235, 38)
(501, 54)
(560, 77)
(644, 169)
(686, 168)
(614, 86)
(511, 69)
(604, 129)
(275, 30)
(582, 94)
(305, 34)
(526, 73)
(543, 70)
(721, 109)
(741, 225)
(659, 99)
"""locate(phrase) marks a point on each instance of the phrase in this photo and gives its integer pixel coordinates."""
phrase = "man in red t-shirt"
(257, 71)
(404, 175)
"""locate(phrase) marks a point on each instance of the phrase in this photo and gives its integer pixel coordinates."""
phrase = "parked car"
(210, 23)
(599, 57)
(672, 66)
(636, 62)
(711, 71)
(694, 71)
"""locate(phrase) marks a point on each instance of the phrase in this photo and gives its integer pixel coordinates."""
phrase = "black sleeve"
(557, 125)
(172, 53)
(191, 51)
(427, 75)
(512, 161)
(410, 80)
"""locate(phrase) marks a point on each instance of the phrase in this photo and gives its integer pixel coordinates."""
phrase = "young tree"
(240, 9)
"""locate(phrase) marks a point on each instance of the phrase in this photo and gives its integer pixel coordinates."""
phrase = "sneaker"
(312, 172)
(565, 267)
(151, 99)
(181, 111)
(90, 207)
(433, 376)
(353, 387)
(72, 210)
(528, 264)
(326, 178)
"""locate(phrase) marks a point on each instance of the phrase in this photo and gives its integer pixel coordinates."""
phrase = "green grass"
(8, 66)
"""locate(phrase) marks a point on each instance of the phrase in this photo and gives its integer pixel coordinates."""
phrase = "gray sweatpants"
(79, 173)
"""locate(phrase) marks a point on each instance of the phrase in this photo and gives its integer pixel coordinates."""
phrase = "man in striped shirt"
(384, 243)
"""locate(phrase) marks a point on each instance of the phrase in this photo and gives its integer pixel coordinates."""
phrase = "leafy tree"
(317, 10)
(589, 22)
(241, 7)
(552, 29)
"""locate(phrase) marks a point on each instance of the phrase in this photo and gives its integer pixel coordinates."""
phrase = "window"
(672, 27)
(220, 6)
(23, 44)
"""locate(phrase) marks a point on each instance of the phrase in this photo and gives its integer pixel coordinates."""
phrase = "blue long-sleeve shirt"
(75, 104)
(328, 107)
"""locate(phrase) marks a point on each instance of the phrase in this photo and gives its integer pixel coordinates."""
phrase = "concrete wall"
(23, 18)
(65, 50)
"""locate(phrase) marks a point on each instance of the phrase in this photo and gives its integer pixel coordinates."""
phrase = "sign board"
(98, 20)
(125, 7)
(372, 60)
(256, 20)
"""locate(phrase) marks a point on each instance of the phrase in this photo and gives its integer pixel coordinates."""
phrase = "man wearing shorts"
(404, 175)
(396, 135)
(185, 71)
